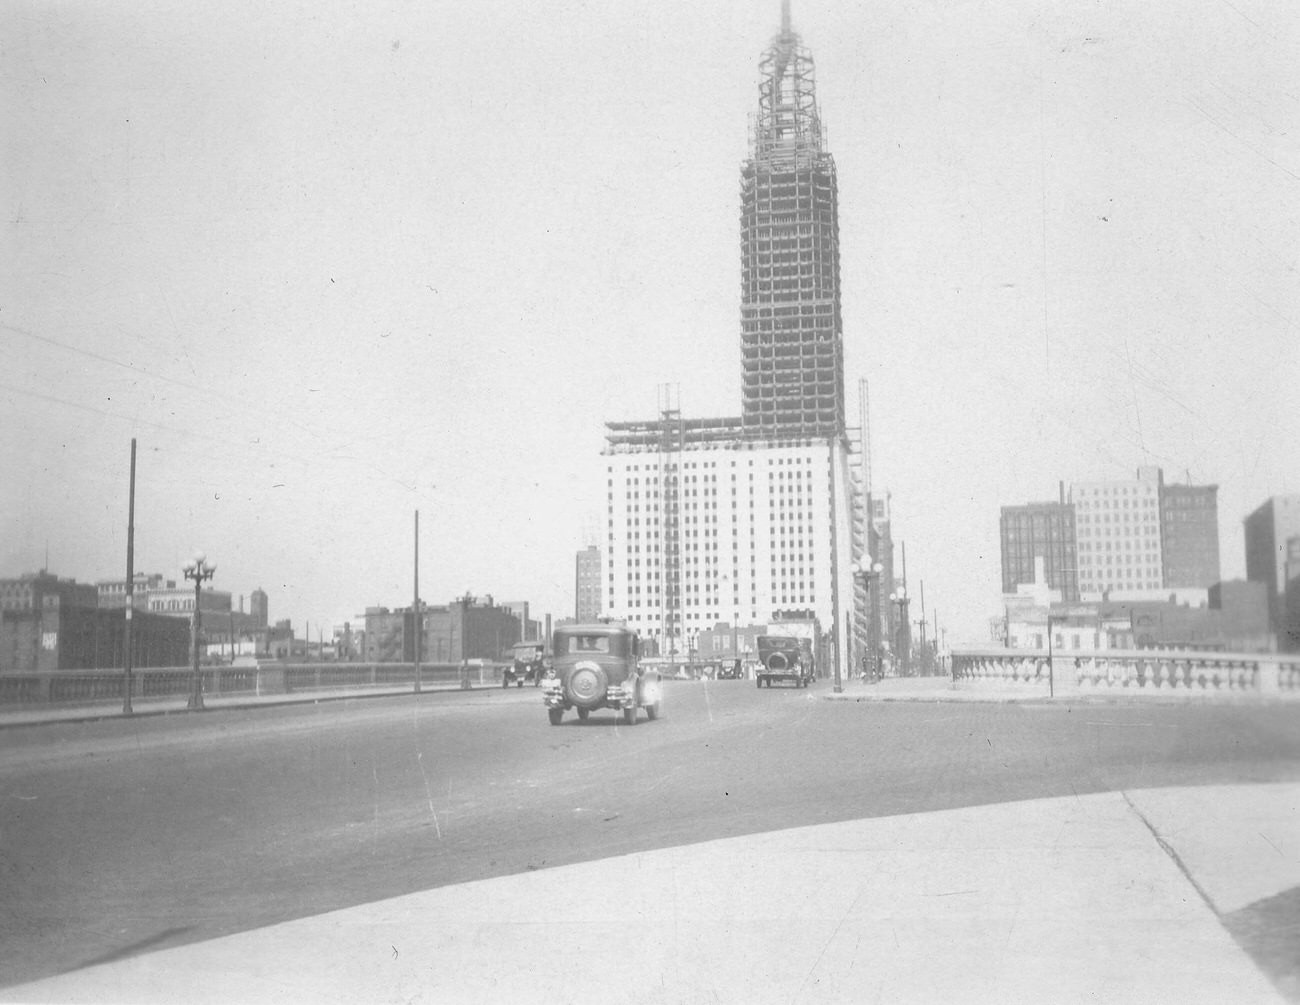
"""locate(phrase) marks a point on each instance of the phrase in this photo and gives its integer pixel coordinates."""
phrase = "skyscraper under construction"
(747, 518)
(791, 333)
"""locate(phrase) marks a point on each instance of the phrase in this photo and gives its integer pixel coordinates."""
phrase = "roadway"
(127, 836)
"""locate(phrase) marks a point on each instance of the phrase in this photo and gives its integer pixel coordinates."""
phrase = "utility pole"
(130, 591)
(415, 606)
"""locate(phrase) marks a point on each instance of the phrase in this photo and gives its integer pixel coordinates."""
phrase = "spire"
(787, 125)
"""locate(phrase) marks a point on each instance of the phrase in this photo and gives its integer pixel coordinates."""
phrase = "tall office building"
(733, 532)
(741, 519)
(586, 587)
(1142, 534)
(1043, 530)
(1118, 526)
(791, 331)
(1189, 529)
(1268, 530)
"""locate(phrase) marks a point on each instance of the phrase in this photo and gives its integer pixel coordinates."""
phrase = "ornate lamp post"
(904, 640)
(870, 572)
(198, 570)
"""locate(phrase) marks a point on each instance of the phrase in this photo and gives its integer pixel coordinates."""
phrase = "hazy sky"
(331, 263)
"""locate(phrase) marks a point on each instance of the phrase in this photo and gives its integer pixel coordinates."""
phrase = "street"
(125, 836)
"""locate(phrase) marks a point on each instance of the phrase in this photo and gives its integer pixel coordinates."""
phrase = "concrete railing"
(1131, 671)
(75, 687)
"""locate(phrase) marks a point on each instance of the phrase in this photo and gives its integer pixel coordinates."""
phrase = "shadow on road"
(134, 949)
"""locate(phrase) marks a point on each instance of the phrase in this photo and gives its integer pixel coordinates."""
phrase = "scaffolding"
(791, 333)
(671, 436)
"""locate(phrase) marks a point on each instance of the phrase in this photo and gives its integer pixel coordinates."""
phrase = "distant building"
(1189, 529)
(258, 608)
(58, 636)
(1269, 529)
(531, 631)
(701, 529)
(467, 628)
(178, 601)
(722, 642)
(112, 592)
(470, 628)
(29, 591)
(1118, 528)
(1034, 531)
(1234, 619)
(586, 589)
(1289, 633)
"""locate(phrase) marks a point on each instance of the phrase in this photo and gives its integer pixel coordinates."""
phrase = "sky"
(334, 263)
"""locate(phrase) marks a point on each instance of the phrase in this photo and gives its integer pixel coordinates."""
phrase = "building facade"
(1044, 531)
(112, 592)
(60, 636)
(29, 592)
(178, 601)
(586, 585)
(466, 629)
(1269, 529)
(1118, 528)
(725, 532)
(259, 609)
(1189, 535)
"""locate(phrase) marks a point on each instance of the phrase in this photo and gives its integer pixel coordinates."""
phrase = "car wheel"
(629, 716)
(652, 711)
(583, 713)
(758, 681)
(555, 715)
(505, 681)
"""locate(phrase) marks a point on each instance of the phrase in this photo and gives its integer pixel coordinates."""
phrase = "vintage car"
(598, 666)
(525, 665)
(783, 658)
(731, 670)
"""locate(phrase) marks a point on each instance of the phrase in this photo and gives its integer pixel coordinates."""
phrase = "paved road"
(128, 836)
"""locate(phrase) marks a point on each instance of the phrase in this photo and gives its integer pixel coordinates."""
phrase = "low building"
(465, 629)
(1233, 619)
(178, 601)
(73, 637)
(112, 592)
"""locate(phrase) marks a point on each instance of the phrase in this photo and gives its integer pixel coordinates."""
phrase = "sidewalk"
(178, 704)
(1116, 897)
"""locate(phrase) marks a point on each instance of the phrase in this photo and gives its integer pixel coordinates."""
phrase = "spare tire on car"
(586, 685)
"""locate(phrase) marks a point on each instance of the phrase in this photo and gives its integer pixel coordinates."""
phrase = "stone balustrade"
(78, 687)
(1136, 672)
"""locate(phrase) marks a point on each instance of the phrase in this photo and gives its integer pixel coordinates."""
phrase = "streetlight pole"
(904, 640)
(198, 570)
(870, 571)
(1051, 663)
